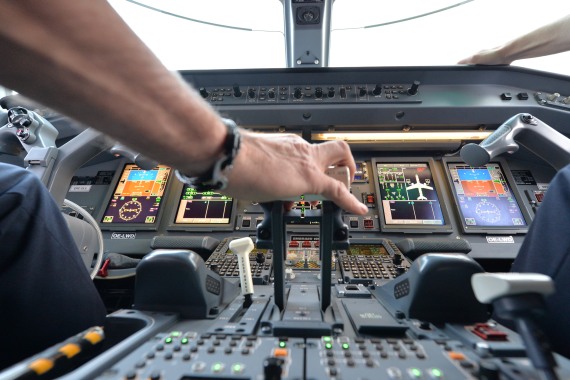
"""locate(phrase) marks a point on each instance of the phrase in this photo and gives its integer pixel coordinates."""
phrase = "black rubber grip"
(202, 245)
(413, 248)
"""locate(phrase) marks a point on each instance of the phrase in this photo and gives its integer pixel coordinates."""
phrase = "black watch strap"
(215, 178)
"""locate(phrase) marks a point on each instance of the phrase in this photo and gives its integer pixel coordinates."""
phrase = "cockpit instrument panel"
(208, 207)
(409, 196)
(485, 199)
(137, 196)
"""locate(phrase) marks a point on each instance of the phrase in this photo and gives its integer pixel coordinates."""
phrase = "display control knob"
(343, 93)
(319, 92)
(414, 89)
(400, 270)
(271, 93)
(272, 368)
(362, 92)
(298, 94)
(397, 259)
(331, 92)
(251, 93)
(377, 90)
(237, 91)
(204, 92)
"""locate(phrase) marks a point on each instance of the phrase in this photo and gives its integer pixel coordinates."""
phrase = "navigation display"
(408, 194)
(484, 197)
(138, 195)
(206, 207)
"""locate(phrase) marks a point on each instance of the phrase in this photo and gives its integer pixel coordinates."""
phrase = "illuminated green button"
(238, 368)
(168, 340)
(327, 339)
(282, 344)
(436, 373)
(217, 367)
(184, 341)
(345, 346)
(328, 346)
(415, 373)
(175, 333)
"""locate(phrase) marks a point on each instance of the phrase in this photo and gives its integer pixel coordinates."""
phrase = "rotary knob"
(343, 93)
(414, 88)
(251, 93)
(319, 92)
(377, 90)
(237, 91)
(298, 94)
(362, 92)
(204, 92)
(331, 92)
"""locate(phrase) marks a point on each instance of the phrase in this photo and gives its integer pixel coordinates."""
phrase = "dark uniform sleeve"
(546, 250)
(46, 294)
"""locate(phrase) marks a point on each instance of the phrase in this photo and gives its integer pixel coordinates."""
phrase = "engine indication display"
(484, 197)
(203, 207)
(137, 196)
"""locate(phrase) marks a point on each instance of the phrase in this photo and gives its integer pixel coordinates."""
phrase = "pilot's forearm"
(79, 57)
(549, 39)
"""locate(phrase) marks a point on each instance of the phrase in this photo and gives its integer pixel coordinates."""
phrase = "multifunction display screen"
(206, 207)
(408, 194)
(138, 195)
(484, 196)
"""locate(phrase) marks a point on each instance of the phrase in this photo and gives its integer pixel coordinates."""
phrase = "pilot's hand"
(274, 167)
(487, 57)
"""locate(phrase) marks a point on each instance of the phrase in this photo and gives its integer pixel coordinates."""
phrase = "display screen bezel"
(128, 226)
(446, 227)
(478, 229)
(177, 193)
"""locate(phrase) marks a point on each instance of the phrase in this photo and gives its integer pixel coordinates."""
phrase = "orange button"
(456, 355)
(70, 350)
(41, 366)
(280, 352)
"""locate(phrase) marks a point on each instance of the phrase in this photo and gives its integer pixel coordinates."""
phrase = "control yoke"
(28, 127)
(140, 160)
(526, 130)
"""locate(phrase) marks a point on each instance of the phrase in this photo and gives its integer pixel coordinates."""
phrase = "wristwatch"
(215, 178)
